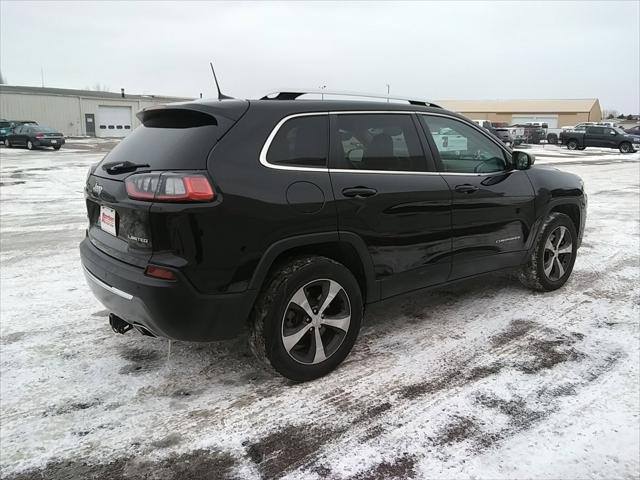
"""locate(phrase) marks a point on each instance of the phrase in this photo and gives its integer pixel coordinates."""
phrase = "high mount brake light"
(169, 187)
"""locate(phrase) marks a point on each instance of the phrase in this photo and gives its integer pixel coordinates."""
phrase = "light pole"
(388, 90)
(322, 87)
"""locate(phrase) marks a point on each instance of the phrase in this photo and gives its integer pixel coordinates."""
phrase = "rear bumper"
(167, 309)
(46, 142)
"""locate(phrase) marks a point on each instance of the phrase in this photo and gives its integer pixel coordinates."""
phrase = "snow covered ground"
(484, 379)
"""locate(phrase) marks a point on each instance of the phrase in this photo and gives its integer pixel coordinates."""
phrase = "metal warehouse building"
(77, 112)
(556, 113)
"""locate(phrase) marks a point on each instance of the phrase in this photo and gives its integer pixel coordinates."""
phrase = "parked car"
(635, 130)
(527, 133)
(504, 135)
(5, 129)
(32, 136)
(7, 126)
(279, 230)
(600, 136)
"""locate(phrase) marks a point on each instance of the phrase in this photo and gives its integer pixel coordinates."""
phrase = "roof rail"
(293, 93)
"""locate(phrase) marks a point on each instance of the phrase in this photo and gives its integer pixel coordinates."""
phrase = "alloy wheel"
(316, 321)
(558, 250)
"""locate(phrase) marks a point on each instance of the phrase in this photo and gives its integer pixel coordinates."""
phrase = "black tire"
(552, 138)
(572, 144)
(57, 148)
(625, 147)
(268, 322)
(29, 145)
(581, 148)
(533, 274)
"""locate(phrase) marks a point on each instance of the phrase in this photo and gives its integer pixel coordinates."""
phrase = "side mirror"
(612, 132)
(522, 160)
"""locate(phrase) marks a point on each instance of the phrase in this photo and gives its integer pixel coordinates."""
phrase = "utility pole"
(42, 75)
(388, 90)
(322, 87)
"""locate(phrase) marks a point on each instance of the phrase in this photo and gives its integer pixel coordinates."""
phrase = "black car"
(291, 215)
(635, 130)
(600, 136)
(32, 136)
(503, 134)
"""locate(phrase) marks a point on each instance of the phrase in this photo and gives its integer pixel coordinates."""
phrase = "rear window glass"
(301, 142)
(44, 129)
(166, 144)
(4, 124)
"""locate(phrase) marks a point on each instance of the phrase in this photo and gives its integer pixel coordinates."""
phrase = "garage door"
(550, 120)
(113, 121)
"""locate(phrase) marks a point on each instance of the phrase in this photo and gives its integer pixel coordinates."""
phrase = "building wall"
(596, 112)
(61, 112)
(564, 119)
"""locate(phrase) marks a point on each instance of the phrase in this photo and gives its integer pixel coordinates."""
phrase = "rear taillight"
(169, 187)
(159, 272)
(40, 135)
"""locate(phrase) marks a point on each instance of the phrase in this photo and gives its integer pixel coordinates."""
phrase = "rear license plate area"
(108, 220)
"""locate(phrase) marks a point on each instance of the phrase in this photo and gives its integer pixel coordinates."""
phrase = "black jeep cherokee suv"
(290, 215)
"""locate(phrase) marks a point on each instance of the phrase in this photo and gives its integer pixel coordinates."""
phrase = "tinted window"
(377, 142)
(462, 148)
(4, 124)
(595, 130)
(301, 142)
(172, 145)
(44, 130)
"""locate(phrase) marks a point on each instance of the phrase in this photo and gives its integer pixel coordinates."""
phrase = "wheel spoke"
(300, 299)
(334, 289)
(559, 238)
(560, 267)
(341, 323)
(549, 245)
(548, 267)
(566, 249)
(291, 341)
(319, 356)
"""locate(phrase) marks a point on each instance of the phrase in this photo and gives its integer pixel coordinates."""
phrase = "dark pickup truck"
(600, 136)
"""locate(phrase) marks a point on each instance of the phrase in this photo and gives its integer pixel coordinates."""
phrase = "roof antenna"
(221, 96)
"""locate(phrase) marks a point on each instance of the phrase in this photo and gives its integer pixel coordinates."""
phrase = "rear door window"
(595, 130)
(381, 142)
(301, 142)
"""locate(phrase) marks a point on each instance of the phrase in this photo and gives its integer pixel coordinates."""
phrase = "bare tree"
(606, 113)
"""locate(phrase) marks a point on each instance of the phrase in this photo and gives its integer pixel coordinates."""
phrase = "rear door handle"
(361, 192)
(466, 188)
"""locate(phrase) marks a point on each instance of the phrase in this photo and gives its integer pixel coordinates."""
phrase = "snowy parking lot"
(483, 379)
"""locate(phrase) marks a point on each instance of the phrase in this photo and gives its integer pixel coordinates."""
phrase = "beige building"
(77, 112)
(556, 113)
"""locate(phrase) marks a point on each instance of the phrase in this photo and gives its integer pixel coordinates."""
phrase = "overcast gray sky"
(476, 50)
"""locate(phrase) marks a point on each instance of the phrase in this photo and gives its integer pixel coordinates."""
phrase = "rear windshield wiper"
(122, 167)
